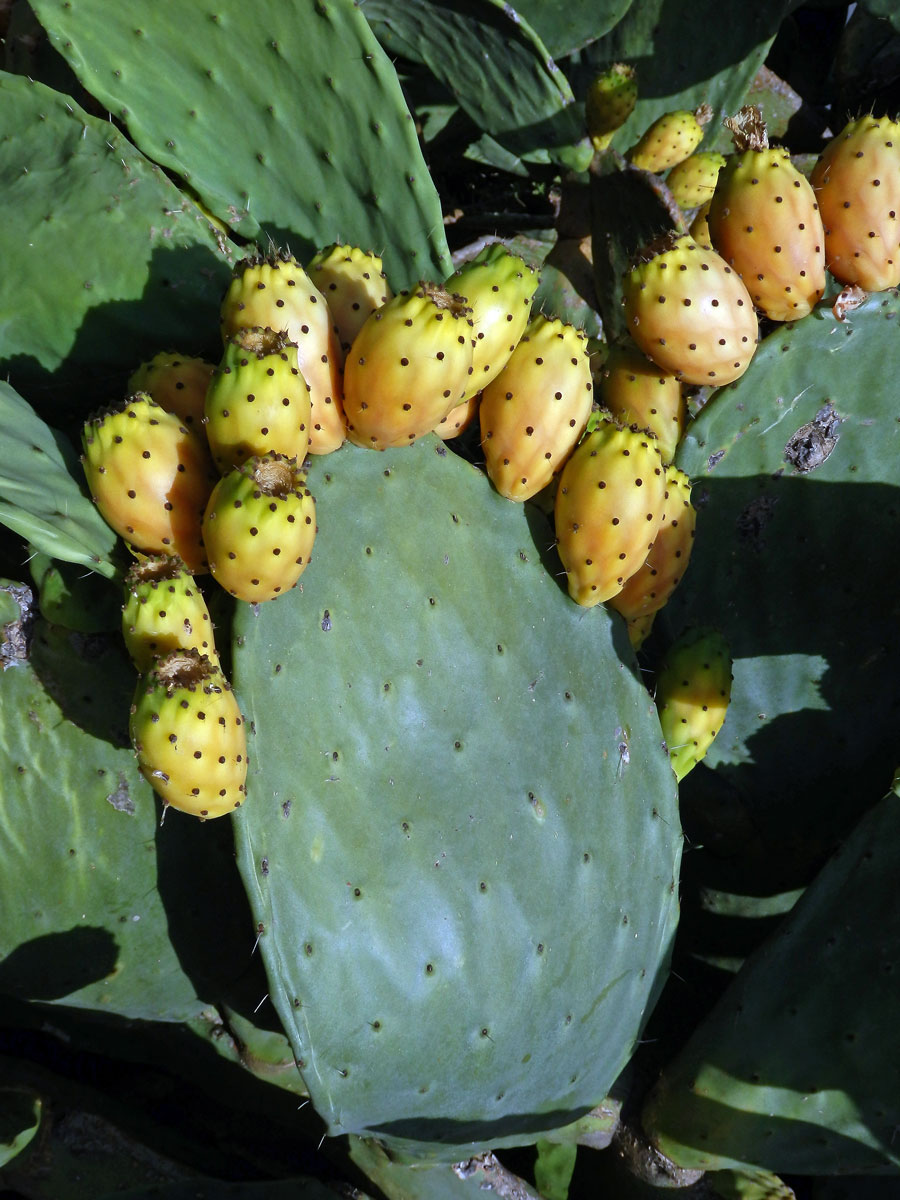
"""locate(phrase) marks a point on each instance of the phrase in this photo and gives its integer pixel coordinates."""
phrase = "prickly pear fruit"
(699, 227)
(536, 409)
(650, 587)
(693, 690)
(176, 382)
(409, 365)
(639, 629)
(458, 419)
(498, 287)
(150, 477)
(354, 285)
(609, 103)
(693, 181)
(164, 610)
(277, 292)
(764, 221)
(609, 505)
(257, 400)
(857, 184)
(259, 527)
(188, 735)
(671, 138)
(690, 311)
(638, 392)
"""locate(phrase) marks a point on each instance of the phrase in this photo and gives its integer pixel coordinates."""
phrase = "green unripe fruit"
(609, 103)
(693, 690)
(671, 138)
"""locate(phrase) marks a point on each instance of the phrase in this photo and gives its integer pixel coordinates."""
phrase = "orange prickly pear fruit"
(354, 285)
(638, 392)
(257, 400)
(164, 610)
(857, 184)
(649, 588)
(693, 181)
(498, 287)
(189, 737)
(610, 502)
(764, 221)
(639, 629)
(537, 408)
(609, 103)
(150, 477)
(693, 691)
(690, 312)
(458, 419)
(671, 138)
(176, 382)
(276, 292)
(409, 365)
(259, 528)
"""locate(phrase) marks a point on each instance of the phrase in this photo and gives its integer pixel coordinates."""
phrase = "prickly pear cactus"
(461, 839)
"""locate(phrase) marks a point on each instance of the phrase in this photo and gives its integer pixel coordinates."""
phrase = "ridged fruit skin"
(609, 505)
(164, 610)
(353, 283)
(690, 312)
(277, 292)
(609, 102)
(857, 184)
(499, 287)
(257, 400)
(150, 476)
(671, 138)
(409, 365)
(259, 528)
(536, 409)
(650, 587)
(638, 392)
(189, 736)
(693, 180)
(693, 691)
(764, 221)
(177, 383)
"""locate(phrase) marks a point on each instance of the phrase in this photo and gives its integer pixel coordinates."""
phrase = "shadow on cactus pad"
(54, 965)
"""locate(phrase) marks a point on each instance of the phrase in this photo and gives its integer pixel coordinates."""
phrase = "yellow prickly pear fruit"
(164, 610)
(693, 691)
(690, 311)
(354, 285)
(671, 138)
(649, 588)
(537, 408)
(693, 181)
(277, 293)
(176, 382)
(609, 505)
(699, 228)
(458, 419)
(609, 103)
(764, 221)
(639, 629)
(188, 735)
(638, 392)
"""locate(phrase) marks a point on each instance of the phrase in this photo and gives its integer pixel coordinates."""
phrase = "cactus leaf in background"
(463, 923)
(493, 63)
(39, 496)
(469, 1179)
(795, 1069)
(795, 484)
(285, 175)
(146, 267)
(566, 25)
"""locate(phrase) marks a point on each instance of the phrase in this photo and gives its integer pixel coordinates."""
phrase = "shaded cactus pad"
(461, 836)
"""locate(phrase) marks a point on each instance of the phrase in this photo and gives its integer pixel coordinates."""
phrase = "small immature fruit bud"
(609, 103)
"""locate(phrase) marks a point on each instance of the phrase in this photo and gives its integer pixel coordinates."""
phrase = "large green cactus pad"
(286, 119)
(795, 480)
(798, 1067)
(461, 836)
